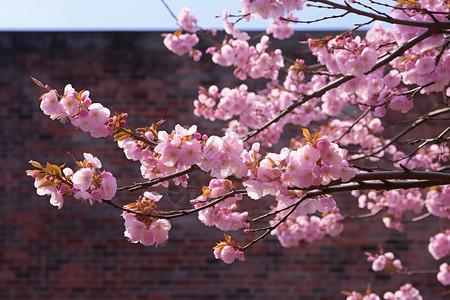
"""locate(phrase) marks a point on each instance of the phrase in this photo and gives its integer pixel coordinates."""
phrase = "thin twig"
(178, 213)
(434, 26)
(154, 181)
(405, 131)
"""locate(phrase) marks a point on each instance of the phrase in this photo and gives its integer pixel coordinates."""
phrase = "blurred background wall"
(79, 252)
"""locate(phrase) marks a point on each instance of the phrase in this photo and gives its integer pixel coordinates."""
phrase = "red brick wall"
(79, 252)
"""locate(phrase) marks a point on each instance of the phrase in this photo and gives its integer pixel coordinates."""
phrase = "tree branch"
(405, 131)
(434, 26)
(154, 181)
(398, 52)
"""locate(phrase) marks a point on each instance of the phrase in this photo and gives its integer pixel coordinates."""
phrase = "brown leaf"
(36, 164)
(306, 134)
(37, 82)
(46, 183)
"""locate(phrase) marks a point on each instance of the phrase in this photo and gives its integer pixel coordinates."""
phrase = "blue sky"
(63, 15)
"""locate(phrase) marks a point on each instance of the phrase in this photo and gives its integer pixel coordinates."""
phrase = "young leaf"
(37, 82)
(46, 183)
(306, 134)
(36, 164)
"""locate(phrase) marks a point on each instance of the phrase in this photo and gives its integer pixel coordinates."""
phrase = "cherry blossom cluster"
(439, 245)
(406, 291)
(270, 8)
(254, 110)
(301, 228)
(397, 202)
(228, 251)
(187, 20)
(438, 201)
(384, 262)
(430, 157)
(88, 183)
(248, 60)
(145, 229)
(344, 55)
(281, 29)
(223, 215)
(231, 29)
(181, 44)
(364, 134)
(357, 296)
(444, 274)
(426, 63)
(356, 56)
(162, 154)
(78, 107)
(317, 162)
(223, 105)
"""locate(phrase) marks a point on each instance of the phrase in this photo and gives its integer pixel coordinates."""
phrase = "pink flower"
(160, 230)
(70, 105)
(310, 206)
(379, 263)
(401, 103)
(439, 245)
(56, 198)
(187, 20)
(180, 44)
(170, 156)
(98, 115)
(213, 147)
(231, 29)
(280, 29)
(444, 274)
(108, 186)
(392, 79)
(228, 254)
(50, 105)
(82, 179)
(425, 65)
(84, 196)
(190, 153)
(134, 229)
(93, 161)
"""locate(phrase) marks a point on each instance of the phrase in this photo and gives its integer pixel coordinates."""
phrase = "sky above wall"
(140, 15)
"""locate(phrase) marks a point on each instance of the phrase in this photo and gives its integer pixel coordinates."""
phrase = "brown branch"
(434, 26)
(178, 213)
(154, 181)
(419, 179)
(343, 188)
(136, 137)
(383, 185)
(354, 123)
(438, 139)
(406, 130)
(398, 52)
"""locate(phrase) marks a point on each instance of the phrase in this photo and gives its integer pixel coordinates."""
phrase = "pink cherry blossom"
(444, 274)
(160, 230)
(228, 254)
(50, 105)
(439, 245)
(82, 179)
(180, 44)
(187, 20)
(108, 186)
